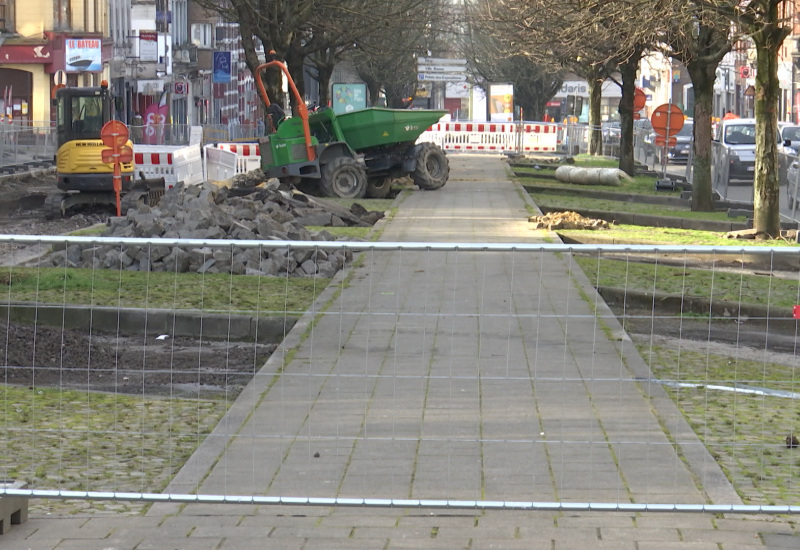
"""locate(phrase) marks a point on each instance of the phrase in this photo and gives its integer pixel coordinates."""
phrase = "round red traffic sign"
(114, 134)
(667, 120)
(639, 99)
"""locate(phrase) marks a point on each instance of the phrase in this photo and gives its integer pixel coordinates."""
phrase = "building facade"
(48, 42)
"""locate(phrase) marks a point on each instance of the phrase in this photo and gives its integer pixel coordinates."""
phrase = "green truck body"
(352, 154)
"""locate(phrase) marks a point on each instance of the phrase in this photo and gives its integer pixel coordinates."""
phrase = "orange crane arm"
(301, 106)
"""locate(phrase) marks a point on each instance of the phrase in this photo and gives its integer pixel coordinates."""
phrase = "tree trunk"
(324, 73)
(294, 63)
(628, 70)
(595, 123)
(766, 207)
(703, 75)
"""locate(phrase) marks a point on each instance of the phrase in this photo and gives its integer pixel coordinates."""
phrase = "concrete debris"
(271, 212)
(555, 221)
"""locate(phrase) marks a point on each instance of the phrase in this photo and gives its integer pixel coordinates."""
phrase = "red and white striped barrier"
(248, 155)
(526, 137)
(176, 164)
(241, 149)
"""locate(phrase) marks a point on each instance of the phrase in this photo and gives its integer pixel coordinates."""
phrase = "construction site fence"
(32, 144)
(606, 388)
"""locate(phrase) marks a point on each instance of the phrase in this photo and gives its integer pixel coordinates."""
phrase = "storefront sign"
(83, 55)
(18, 53)
(148, 46)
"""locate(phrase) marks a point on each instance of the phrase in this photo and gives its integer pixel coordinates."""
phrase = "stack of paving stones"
(271, 212)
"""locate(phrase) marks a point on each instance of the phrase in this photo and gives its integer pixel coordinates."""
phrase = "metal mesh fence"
(443, 376)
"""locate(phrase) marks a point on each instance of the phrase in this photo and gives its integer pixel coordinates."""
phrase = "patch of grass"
(727, 285)
(640, 185)
(744, 433)
(564, 202)
(68, 440)
(639, 234)
(381, 205)
(93, 231)
(349, 232)
(210, 292)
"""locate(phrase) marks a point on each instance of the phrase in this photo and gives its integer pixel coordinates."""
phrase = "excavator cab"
(81, 113)
(80, 116)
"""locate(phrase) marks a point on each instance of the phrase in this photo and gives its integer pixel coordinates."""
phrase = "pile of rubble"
(555, 221)
(266, 213)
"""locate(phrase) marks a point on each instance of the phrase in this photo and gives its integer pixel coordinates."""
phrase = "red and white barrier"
(176, 164)
(248, 155)
(526, 137)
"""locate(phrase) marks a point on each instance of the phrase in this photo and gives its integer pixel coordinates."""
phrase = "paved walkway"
(444, 375)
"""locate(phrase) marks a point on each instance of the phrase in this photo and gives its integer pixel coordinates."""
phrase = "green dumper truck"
(355, 154)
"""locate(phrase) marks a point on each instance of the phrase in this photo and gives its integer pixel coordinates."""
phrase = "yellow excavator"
(82, 177)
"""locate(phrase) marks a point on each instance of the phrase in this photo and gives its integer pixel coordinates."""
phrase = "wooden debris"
(554, 221)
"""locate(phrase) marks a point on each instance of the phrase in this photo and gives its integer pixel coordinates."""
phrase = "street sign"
(440, 61)
(441, 77)
(441, 68)
(114, 133)
(125, 154)
(667, 120)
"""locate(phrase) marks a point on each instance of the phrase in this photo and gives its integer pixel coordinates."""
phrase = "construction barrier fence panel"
(472, 376)
(176, 164)
(526, 137)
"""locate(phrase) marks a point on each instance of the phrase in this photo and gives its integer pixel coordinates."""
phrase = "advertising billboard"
(349, 97)
(501, 102)
(221, 73)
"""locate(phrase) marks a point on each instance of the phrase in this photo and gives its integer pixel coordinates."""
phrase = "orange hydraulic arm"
(301, 106)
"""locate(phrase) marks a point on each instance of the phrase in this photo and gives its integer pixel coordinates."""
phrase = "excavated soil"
(139, 365)
(135, 364)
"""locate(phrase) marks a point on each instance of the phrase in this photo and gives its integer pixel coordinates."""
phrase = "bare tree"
(386, 58)
(594, 34)
(699, 38)
(765, 22)
(493, 59)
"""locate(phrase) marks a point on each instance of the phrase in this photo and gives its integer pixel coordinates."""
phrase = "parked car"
(788, 147)
(733, 151)
(679, 153)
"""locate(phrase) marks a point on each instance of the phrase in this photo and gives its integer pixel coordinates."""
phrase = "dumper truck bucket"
(375, 127)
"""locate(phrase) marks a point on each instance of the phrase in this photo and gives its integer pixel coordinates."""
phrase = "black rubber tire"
(343, 177)
(378, 188)
(53, 207)
(433, 167)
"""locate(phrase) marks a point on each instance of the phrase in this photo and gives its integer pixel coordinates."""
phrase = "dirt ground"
(48, 357)
(139, 365)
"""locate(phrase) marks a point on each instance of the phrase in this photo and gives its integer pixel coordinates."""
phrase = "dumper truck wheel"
(432, 169)
(343, 177)
(378, 188)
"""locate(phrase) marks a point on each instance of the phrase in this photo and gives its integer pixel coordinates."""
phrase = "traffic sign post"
(115, 136)
(667, 121)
